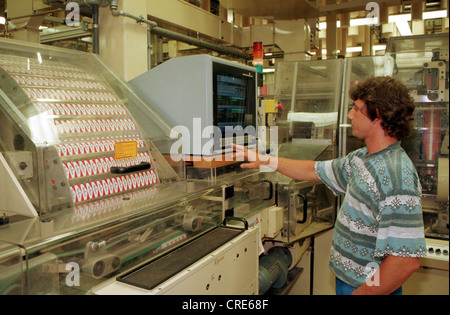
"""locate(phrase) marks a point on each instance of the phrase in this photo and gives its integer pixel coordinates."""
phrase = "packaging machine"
(89, 199)
(85, 194)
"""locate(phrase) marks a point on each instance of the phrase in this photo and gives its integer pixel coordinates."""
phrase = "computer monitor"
(209, 100)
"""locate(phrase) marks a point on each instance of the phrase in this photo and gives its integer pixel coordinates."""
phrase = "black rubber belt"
(156, 272)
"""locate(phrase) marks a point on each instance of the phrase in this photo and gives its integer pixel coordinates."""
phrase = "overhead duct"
(179, 37)
(90, 8)
(81, 3)
(196, 42)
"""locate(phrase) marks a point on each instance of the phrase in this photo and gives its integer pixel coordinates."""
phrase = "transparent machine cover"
(422, 64)
(310, 92)
(102, 199)
(67, 131)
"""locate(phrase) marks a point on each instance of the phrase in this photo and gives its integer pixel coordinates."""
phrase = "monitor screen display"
(234, 105)
(231, 97)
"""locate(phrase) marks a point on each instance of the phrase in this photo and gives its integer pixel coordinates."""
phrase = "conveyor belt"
(162, 269)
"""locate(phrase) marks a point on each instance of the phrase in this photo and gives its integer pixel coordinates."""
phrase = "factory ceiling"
(301, 9)
(269, 9)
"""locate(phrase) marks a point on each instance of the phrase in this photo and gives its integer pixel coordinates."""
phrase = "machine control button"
(437, 251)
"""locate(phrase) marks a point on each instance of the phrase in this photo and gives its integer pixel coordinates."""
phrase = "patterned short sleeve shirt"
(381, 213)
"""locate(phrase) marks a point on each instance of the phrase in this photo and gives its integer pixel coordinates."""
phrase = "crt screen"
(231, 101)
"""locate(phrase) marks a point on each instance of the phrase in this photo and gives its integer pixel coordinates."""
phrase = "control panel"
(437, 254)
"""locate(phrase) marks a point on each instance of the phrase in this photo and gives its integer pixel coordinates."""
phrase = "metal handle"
(305, 208)
(129, 169)
(270, 189)
(236, 219)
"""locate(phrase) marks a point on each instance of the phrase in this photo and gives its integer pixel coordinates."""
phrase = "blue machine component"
(273, 269)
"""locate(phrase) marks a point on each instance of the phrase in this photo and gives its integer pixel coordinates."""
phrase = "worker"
(378, 234)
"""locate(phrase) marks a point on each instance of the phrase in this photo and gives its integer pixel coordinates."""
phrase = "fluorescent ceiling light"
(378, 47)
(268, 70)
(401, 21)
(354, 49)
(434, 14)
(392, 19)
(364, 21)
(230, 15)
(403, 28)
(425, 16)
(323, 25)
(399, 18)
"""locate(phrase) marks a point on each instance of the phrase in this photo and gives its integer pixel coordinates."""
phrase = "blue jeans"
(343, 288)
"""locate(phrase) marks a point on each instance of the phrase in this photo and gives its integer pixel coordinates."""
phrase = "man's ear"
(378, 118)
(377, 121)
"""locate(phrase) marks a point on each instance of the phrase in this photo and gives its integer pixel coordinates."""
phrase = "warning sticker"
(125, 150)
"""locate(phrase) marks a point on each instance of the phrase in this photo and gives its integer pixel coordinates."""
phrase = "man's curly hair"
(389, 100)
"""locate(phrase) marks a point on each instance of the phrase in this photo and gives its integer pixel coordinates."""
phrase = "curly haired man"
(378, 235)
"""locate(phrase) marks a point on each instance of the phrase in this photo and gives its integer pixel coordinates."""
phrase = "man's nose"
(349, 115)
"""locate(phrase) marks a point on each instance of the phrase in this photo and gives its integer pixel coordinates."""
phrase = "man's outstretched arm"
(296, 169)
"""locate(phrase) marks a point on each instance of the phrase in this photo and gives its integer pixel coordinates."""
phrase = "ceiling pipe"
(102, 3)
(90, 8)
(81, 3)
(87, 8)
(95, 30)
(177, 36)
(196, 42)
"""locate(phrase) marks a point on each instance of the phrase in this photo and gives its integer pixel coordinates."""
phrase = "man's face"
(361, 123)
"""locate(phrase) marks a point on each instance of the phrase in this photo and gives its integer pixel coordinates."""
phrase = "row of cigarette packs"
(69, 95)
(58, 83)
(98, 208)
(93, 125)
(79, 169)
(95, 146)
(110, 186)
(39, 63)
(22, 69)
(81, 109)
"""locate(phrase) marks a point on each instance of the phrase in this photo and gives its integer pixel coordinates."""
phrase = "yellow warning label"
(125, 150)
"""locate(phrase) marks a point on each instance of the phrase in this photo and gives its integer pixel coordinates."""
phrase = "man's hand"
(252, 156)
(296, 169)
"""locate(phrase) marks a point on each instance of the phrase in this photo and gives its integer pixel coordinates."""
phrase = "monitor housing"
(209, 101)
